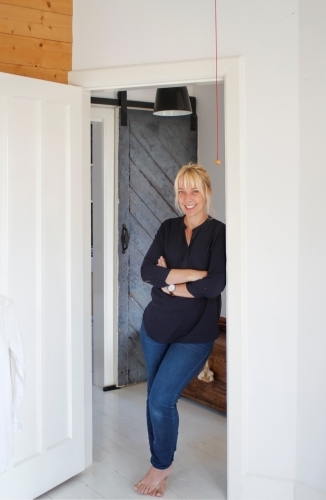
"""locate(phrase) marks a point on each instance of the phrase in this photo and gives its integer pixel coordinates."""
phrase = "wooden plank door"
(42, 269)
(151, 151)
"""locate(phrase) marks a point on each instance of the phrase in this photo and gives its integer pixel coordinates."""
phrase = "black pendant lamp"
(172, 101)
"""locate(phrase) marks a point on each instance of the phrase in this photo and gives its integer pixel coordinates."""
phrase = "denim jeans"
(170, 367)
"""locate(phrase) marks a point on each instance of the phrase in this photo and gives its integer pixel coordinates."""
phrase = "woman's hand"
(198, 275)
(176, 276)
(161, 262)
(184, 276)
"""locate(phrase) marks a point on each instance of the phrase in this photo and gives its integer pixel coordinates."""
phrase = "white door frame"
(230, 70)
(105, 343)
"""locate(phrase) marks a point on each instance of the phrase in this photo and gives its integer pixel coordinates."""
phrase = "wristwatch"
(171, 289)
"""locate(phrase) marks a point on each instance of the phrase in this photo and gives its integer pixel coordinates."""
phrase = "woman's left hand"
(161, 262)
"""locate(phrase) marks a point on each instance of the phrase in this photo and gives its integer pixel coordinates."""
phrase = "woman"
(186, 267)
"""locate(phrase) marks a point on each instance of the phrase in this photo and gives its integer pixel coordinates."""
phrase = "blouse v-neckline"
(194, 232)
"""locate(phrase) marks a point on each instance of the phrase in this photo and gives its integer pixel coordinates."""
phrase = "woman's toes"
(153, 492)
(160, 489)
(139, 488)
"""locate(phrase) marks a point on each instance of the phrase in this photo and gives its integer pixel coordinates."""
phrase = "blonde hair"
(190, 176)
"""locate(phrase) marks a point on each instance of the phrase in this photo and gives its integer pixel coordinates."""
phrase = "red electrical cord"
(217, 161)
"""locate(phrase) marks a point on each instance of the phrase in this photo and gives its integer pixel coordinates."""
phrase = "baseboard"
(261, 488)
(304, 492)
(266, 488)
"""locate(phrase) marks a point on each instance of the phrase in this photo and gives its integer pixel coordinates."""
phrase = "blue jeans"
(170, 368)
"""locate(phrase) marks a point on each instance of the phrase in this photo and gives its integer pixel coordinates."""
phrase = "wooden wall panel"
(50, 74)
(34, 52)
(35, 23)
(36, 38)
(60, 6)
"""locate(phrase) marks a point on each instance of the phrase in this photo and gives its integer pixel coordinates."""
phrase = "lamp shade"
(172, 101)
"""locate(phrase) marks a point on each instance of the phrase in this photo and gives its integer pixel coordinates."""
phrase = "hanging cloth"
(11, 379)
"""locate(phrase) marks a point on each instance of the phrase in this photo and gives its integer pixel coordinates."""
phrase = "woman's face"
(191, 201)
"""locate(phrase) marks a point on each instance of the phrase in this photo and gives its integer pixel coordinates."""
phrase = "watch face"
(171, 288)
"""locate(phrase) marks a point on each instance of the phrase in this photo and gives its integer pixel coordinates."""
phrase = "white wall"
(146, 94)
(206, 97)
(266, 34)
(122, 32)
(311, 445)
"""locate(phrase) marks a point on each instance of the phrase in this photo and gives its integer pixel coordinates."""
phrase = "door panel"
(41, 269)
(151, 151)
(159, 207)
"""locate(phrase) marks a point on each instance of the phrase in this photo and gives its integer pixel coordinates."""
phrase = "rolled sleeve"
(214, 283)
(150, 272)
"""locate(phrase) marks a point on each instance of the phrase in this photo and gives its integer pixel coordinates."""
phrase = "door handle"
(124, 238)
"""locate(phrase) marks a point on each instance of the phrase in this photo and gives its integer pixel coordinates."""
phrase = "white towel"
(11, 379)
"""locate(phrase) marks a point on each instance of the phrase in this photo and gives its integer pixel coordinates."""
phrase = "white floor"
(121, 453)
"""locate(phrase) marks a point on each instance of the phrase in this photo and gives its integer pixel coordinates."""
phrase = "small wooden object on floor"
(212, 393)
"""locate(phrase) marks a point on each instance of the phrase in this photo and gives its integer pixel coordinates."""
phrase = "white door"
(44, 268)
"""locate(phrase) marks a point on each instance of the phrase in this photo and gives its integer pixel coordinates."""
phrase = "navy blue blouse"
(178, 319)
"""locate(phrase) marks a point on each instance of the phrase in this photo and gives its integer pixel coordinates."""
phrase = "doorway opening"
(205, 95)
(189, 72)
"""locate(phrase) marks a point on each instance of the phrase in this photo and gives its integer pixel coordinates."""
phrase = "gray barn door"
(151, 151)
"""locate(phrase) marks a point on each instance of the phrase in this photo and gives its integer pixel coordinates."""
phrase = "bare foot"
(159, 490)
(152, 480)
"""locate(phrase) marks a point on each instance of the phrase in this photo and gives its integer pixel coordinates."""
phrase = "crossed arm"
(190, 283)
(179, 278)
